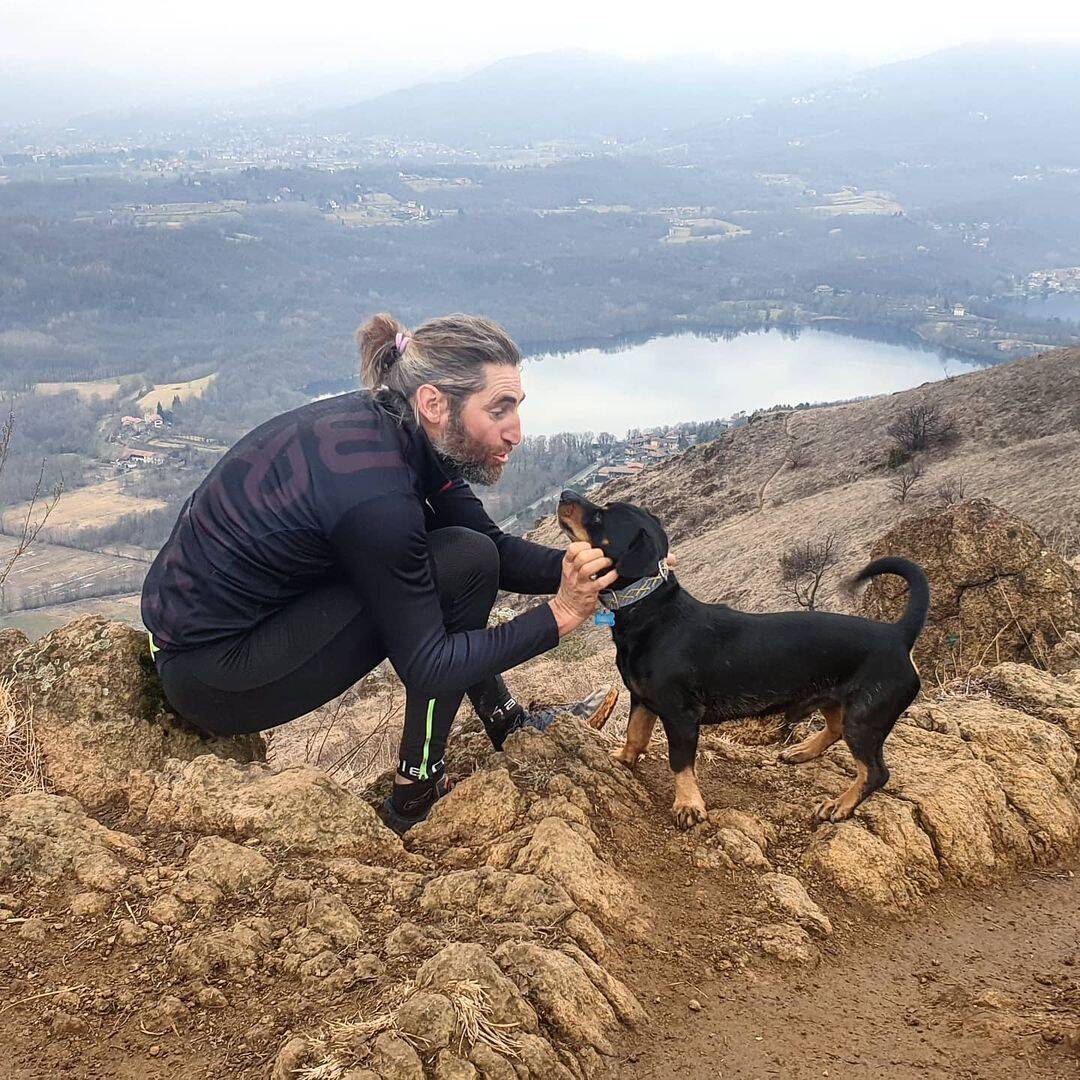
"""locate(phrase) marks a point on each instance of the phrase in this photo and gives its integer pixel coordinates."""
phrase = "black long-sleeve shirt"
(349, 485)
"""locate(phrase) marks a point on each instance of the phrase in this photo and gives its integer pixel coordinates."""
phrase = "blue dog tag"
(604, 618)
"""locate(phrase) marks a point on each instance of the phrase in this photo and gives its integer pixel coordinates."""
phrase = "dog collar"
(613, 599)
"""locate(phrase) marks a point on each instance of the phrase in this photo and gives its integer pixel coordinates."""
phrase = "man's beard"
(466, 457)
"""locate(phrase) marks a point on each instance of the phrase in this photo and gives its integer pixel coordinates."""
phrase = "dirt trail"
(980, 984)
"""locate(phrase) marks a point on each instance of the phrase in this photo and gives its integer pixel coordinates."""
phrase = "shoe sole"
(604, 710)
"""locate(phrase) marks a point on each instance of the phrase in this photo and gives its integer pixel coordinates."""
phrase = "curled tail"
(914, 617)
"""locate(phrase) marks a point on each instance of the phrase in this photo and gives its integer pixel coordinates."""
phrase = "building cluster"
(639, 451)
(1064, 279)
(140, 425)
(137, 429)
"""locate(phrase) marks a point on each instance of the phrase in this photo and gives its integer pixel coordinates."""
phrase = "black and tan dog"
(691, 663)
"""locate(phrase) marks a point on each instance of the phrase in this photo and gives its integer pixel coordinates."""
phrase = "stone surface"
(997, 593)
(480, 808)
(299, 808)
(789, 895)
(564, 995)
(499, 894)
(12, 642)
(232, 868)
(559, 854)
(50, 836)
(469, 962)
(99, 713)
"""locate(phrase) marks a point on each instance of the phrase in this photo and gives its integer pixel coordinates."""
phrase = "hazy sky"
(252, 40)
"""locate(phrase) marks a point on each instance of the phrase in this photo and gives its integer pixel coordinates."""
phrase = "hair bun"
(379, 345)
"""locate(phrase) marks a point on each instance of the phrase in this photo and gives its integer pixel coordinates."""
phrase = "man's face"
(479, 435)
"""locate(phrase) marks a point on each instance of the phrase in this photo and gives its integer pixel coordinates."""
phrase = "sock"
(498, 710)
(415, 798)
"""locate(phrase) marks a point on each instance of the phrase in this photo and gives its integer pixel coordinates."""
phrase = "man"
(344, 532)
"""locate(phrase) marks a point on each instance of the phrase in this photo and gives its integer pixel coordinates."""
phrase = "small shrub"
(902, 483)
(798, 457)
(897, 456)
(951, 490)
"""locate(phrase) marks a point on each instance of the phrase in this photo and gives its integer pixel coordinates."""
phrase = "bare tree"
(951, 490)
(919, 427)
(27, 530)
(804, 565)
(902, 482)
(798, 457)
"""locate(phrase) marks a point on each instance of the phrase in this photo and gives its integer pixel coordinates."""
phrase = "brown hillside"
(732, 505)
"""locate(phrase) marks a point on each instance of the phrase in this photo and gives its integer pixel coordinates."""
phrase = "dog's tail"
(914, 617)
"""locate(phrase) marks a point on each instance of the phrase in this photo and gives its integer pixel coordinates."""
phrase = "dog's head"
(632, 538)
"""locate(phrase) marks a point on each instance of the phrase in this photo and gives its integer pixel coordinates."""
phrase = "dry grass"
(473, 1009)
(354, 738)
(89, 507)
(346, 1045)
(163, 395)
(96, 390)
(21, 768)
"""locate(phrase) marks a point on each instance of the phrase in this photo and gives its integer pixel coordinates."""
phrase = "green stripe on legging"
(427, 739)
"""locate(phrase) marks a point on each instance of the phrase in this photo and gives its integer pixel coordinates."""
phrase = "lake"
(693, 377)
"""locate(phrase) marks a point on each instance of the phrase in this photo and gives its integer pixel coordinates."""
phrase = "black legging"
(319, 645)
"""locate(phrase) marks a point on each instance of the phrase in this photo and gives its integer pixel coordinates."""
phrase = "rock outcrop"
(99, 714)
(997, 592)
(495, 940)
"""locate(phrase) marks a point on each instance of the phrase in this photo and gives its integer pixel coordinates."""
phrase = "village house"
(133, 458)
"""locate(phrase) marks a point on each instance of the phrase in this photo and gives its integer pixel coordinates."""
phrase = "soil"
(982, 983)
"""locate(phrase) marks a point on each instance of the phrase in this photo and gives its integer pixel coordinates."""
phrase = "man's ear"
(640, 559)
(431, 402)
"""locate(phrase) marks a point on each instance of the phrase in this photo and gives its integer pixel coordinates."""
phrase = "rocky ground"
(176, 908)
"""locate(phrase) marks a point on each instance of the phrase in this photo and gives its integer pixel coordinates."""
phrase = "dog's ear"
(640, 559)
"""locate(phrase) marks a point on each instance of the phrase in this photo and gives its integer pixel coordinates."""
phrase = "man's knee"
(465, 562)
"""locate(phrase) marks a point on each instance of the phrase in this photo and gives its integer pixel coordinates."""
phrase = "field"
(53, 574)
(39, 621)
(849, 201)
(163, 395)
(692, 230)
(88, 507)
(88, 391)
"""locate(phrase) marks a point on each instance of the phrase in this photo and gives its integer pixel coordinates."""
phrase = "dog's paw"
(625, 757)
(793, 755)
(689, 814)
(831, 811)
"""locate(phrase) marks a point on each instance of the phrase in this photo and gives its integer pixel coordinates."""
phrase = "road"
(529, 512)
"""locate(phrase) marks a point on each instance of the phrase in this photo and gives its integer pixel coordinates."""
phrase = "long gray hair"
(448, 352)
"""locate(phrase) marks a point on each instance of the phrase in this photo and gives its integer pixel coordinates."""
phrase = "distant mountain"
(578, 94)
(999, 102)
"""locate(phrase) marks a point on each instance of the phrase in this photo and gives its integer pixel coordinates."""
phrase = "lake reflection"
(691, 377)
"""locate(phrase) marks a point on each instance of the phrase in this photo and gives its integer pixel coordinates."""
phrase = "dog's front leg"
(639, 731)
(689, 806)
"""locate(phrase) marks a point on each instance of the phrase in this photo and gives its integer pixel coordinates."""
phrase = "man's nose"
(512, 434)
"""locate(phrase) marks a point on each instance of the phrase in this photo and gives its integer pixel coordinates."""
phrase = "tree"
(919, 427)
(804, 565)
(31, 524)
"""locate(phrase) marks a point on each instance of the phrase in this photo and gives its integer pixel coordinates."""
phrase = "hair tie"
(402, 342)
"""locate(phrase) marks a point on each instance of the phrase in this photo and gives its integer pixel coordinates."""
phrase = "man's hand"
(581, 582)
